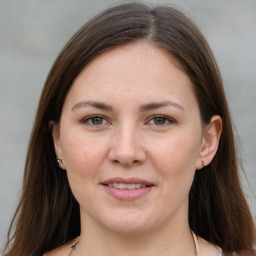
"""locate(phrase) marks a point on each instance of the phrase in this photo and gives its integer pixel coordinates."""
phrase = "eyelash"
(164, 118)
(88, 120)
(167, 120)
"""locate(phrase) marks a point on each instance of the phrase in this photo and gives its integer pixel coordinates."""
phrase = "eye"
(95, 120)
(160, 120)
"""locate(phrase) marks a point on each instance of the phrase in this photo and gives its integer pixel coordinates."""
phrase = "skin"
(128, 140)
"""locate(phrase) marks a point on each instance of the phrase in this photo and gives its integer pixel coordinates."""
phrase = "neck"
(166, 240)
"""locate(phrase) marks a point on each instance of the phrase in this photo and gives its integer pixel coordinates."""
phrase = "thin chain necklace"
(73, 246)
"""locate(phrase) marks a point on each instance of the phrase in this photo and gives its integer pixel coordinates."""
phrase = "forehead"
(140, 54)
(132, 70)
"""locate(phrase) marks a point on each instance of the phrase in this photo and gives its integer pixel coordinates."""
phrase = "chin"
(128, 223)
(128, 228)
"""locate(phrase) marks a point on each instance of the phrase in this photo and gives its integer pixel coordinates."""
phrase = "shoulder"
(243, 253)
(62, 250)
(206, 248)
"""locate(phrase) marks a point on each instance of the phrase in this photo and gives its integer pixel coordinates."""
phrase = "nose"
(127, 147)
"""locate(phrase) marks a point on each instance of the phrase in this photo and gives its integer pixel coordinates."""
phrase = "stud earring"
(203, 163)
(60, 162)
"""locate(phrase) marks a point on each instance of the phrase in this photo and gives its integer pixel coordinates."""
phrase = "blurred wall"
(32, 32)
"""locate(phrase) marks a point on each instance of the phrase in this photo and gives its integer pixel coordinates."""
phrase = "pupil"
(159, 120)
(97, 120)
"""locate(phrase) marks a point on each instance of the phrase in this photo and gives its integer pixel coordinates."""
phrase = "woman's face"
(130, 136)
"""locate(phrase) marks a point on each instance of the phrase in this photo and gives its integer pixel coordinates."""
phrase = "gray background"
(32, 32)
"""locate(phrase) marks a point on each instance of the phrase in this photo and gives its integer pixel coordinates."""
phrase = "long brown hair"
(48, 214)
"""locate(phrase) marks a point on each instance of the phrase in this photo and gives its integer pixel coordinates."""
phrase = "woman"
(132, 149)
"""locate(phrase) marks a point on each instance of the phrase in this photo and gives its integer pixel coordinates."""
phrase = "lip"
(127, 194)
(132, 180)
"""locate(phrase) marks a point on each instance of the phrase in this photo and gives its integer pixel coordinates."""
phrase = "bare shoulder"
(245, 253)
(241, 253)
(208, 249)
(63, 250)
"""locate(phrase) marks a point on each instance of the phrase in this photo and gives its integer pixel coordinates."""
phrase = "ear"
(210, 142)
(54, 127)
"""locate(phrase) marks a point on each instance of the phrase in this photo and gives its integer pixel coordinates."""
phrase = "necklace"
(195, 242)
(73, 246)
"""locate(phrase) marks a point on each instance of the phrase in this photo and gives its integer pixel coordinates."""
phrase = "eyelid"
(167, 118)
(90, 117)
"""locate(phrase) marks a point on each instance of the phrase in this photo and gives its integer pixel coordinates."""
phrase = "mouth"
(127, 189)
(126, 186)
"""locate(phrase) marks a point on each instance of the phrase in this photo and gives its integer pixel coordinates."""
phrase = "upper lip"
(132, 180)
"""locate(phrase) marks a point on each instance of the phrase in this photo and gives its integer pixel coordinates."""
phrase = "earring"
(203, 163)
(60, 162)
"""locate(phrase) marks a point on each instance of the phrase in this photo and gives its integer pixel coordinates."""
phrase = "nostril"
(126, 163)
(126, 154)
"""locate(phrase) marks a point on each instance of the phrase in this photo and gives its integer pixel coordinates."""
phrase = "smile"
(126, 186)
(127, 189)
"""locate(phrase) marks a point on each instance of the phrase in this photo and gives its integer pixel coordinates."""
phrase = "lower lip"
(128, 194)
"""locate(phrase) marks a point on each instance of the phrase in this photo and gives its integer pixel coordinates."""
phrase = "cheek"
(177, 151)
(83, 158)
(175, 158)
(83, 154)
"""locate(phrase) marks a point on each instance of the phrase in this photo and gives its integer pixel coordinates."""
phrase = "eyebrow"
(94, 104)
(156, 105)
(142, 108)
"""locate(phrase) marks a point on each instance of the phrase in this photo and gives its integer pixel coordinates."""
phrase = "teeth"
(132, 186)
(126, 186)
(121, 186)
